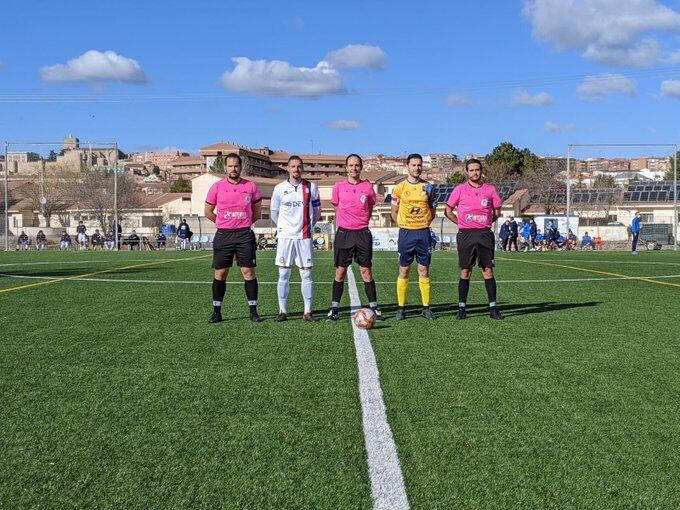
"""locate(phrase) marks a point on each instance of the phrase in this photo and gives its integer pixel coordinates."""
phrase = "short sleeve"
(372, 199)
(496, 201)
(454, 198)
(396, 194)
(255, 194)
(335, 198)
(212, 195)
(316, 200)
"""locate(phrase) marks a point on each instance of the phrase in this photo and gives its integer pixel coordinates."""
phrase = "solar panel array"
(442, 191)
(661, 191)
(582, 196)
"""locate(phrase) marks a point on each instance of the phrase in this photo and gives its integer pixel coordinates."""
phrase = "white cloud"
(595, 88)
(96, 66)
(553, 127)
(457, 100)
(362, 56)
(670, 88)
(279, 78)
(640, 54)
(344, 125)
(524, 98)
(673, 58)
(608, 32)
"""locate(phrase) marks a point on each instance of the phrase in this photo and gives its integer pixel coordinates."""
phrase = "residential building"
(22, 157)
(161, 159)
(445, 161)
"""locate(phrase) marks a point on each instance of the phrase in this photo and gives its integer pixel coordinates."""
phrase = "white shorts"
(81, 238)
(300, 251)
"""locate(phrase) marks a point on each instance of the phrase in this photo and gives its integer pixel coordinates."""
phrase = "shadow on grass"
(442, 310)
(71, 272)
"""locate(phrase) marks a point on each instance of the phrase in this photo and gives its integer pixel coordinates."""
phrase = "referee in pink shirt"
(353, 200)
(477, 205)
(234, 204)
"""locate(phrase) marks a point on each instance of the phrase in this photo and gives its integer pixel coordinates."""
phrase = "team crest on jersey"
(363, 198)
(247, 198)
(407, 193)
(485, 202)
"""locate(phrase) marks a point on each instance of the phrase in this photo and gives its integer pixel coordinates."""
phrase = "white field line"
(437, 282)
(107, 261)
(387, 481)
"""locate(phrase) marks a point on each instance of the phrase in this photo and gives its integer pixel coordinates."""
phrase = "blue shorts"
(414, 244)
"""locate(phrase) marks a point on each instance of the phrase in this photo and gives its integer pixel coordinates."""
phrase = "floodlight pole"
(675, 197)
(569, 187)
(115, 194)
(6, 199)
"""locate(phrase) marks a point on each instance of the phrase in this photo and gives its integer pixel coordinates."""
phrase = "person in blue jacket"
(504, 234)
(635, 231)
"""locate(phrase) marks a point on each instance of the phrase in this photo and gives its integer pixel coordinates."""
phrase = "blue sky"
(431, 76)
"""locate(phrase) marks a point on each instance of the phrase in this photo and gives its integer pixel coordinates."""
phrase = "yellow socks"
(402, 291)
(424, 284)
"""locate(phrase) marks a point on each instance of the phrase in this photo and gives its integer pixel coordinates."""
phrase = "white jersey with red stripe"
(293, 208)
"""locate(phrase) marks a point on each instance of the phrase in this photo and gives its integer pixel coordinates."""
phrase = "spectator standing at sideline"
(81, 237)
(514, 234)
(183, 234)
(526, 234)
(504, 234)
(635, 231)
(533, 232)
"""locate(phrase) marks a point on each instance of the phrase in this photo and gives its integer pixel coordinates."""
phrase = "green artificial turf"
(118, 394)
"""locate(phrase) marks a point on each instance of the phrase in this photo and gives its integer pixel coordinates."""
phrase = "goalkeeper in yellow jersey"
(413, 209)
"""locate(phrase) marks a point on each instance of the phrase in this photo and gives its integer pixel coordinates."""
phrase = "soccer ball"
(364, 318)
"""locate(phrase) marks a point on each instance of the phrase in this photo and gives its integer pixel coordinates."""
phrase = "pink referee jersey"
(234, 203)
(474, 206)
(354, 203)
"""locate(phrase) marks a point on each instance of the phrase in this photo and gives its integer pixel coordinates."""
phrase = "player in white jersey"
(295, 208)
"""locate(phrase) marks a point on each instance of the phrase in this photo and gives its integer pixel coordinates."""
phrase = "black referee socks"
(219, 287)
(371, 293)
(338, 288)
(463, 289)
(251, 292)
(490, 285)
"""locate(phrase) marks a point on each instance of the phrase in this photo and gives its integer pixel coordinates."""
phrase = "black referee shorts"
(238, 242)
(475, 245)
(353, 245)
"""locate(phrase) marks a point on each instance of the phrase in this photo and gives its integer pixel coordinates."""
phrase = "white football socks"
(283, 287)
(306, 287)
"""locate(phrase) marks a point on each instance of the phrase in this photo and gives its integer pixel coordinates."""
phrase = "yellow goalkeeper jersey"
(414, 204)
